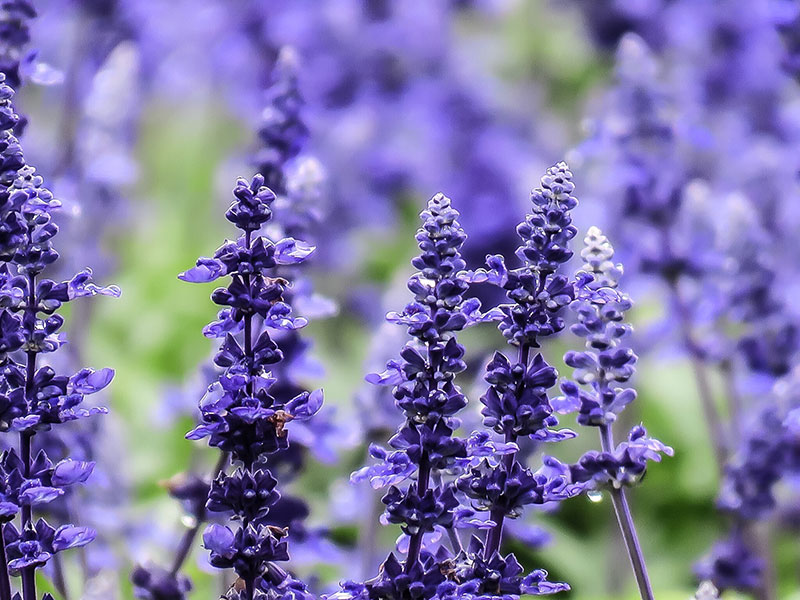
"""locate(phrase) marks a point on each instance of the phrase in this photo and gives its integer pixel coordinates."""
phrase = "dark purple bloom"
(537, 292)
(247, 412)
(508, 492)
(474, 576)
(247, 495)
(425, 391)
(625, 465)
(732, 565)
(34, 397)
(517, 402)
(154, 583)
(37, 544)
(600, 310)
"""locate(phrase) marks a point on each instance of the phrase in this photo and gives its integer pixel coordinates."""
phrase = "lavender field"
(399, 299)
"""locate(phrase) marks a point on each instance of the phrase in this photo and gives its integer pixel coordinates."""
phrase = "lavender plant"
(426, 392)
(651, 176)
(516, 404)
(35, 397)
(240, 414)
(282, 135)
(718, 122)
(282, 159)
(600, 309)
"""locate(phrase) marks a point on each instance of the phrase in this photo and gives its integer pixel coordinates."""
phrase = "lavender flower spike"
(34, 397)
(600, 310)
(517, 403)
(241, 414)
(425, 391)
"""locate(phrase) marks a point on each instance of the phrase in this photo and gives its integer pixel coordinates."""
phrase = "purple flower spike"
(35, 396)
(517, 403)
(255, 406)
(607, 361)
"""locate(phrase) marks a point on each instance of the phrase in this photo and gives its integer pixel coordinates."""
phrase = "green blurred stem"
(58, 577)
(626, 525)
(762, 537)
(734, 399)
(711, 415)
(187, 541)
(368, 535)
(368, 532)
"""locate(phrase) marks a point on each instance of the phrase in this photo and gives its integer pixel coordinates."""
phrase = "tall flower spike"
(35, 397)
(283, 136)
(283, 133)
(290, 214)
(517, 404)
(241, 413)
(600, 309)
(537, 292)
(425, 391)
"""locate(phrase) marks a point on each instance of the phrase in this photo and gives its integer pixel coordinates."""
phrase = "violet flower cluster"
(15, 19)
(698, 118)
(425, 391)
(517, 404)
(282, 135)
(35, 398)
(246, 411)
(607, 361)
(425, 447)
(717, 206)
(241, 414)
(453, 480)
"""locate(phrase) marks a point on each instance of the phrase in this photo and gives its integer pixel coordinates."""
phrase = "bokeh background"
(142, 113)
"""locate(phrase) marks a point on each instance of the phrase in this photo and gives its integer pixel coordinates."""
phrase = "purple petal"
(36, 495)
(289, 251)
(89, 381)
(219, 539)
(69, 472)
(70, 536)
(206, 270)
(305, 406)
(82, 285)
